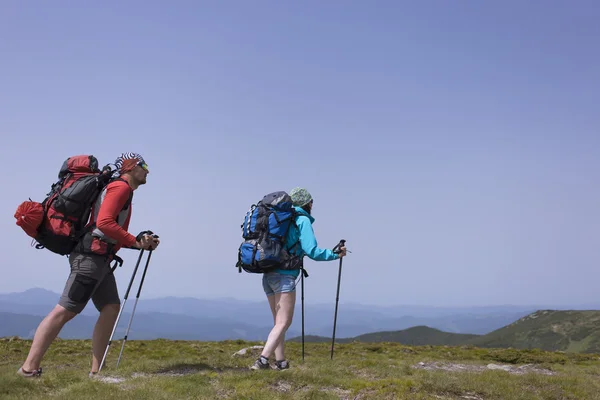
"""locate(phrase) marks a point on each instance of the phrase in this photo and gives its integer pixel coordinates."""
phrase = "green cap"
(300, 197)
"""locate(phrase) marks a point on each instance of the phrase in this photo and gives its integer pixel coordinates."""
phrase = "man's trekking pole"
(342, 243)
(137, 297)
(137, 264)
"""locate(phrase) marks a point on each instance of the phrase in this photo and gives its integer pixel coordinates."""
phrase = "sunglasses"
(144, 166)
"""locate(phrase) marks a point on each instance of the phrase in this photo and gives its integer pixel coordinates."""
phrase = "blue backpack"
(264, 231)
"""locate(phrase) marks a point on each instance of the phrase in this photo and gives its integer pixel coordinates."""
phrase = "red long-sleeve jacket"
(111, 215)
(116, 196)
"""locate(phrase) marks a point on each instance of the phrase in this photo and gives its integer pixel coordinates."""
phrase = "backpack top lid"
(79, 164)
(278, 199)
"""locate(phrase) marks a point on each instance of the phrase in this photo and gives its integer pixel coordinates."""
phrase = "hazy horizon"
(133, 292)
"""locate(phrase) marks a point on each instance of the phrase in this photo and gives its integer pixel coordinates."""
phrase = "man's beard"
(141, 181)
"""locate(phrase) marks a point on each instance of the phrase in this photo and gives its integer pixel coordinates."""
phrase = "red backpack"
(58, 222)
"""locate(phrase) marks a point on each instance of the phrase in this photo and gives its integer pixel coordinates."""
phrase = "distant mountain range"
(188, 318)
(415, 336)
(572, 331)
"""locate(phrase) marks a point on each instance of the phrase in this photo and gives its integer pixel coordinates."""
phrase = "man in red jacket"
(91, 276)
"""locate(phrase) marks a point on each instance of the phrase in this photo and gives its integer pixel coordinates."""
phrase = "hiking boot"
(260, 363)
(33, 374)
(281, 365)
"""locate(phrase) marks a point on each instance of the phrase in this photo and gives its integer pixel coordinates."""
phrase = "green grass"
(163, 369)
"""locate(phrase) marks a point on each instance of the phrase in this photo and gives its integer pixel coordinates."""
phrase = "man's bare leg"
(45, 334)
(102, 330)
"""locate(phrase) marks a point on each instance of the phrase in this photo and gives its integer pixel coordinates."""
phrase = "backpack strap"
(128, 202)
(297, 243)
(294, 224)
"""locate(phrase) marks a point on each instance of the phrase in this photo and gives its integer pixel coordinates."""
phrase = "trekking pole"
(137, 297)
(342, 243)
(137, 264)
(302, 290)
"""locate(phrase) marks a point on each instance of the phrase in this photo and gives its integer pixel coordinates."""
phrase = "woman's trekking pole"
(342, 243)
(302, 290)
(137, 264)
(137, 297)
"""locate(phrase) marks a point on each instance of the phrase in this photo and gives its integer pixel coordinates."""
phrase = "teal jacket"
(303, 232)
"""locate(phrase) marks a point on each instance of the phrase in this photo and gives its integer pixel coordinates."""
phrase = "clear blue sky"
(453, 144)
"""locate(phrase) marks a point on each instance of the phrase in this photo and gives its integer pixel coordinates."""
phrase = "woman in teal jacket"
(280, 285)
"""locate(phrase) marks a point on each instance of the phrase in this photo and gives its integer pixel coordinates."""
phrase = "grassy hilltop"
(162, 369)
(545, 355)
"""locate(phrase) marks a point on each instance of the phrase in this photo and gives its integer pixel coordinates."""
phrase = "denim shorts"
(274, 282)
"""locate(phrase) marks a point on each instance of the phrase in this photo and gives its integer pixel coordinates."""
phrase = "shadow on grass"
(187, 369)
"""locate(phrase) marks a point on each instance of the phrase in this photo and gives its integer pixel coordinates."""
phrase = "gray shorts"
(90, 276)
